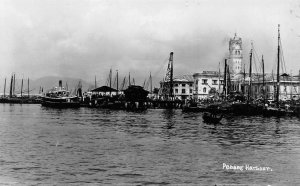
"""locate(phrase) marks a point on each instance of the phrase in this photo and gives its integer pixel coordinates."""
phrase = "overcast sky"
(84, 38)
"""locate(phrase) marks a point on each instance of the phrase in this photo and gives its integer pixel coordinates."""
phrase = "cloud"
(87, 37)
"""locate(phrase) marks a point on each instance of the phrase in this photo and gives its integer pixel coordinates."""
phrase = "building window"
(204, 81)
(176, 85)
(191, 91)
(222, 82)
(183, 91)
(183, 85)
(176, 91)
(215, 82)
(191, 84)
(204, 90)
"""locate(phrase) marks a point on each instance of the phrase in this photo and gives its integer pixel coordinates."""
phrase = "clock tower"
(235, 55)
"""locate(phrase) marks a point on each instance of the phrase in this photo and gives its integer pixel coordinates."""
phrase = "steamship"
(59, 97)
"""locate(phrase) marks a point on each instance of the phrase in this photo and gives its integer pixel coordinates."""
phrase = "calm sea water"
(43, 146)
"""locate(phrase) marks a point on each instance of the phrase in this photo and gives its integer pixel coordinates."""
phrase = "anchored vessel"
(59, 97)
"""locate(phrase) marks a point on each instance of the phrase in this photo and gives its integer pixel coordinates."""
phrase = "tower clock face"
(236, 46)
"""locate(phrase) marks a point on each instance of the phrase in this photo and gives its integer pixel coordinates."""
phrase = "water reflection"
(168, 115)
(94, 146)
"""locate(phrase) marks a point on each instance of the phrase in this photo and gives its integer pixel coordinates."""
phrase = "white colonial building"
(207, 84)
(182, 87)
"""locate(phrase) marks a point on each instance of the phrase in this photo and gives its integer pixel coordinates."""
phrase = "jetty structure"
(129, 97)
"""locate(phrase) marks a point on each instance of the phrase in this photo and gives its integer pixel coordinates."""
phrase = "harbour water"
(84, 146)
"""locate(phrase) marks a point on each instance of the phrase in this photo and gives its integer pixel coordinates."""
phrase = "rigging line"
(282, 56)
(255, 65)
(165, 63)
(115, 82)
(258, 59)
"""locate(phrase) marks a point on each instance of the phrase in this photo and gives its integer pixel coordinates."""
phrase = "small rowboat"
(211, 118)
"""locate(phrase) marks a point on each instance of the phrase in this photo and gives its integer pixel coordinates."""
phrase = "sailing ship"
(277, 109)
(59, 97)
(248, 107)
(19, 98)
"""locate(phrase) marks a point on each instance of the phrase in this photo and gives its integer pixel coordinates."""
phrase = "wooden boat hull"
(246, 109)
(210, 119)
(60, 104)
(65, 102)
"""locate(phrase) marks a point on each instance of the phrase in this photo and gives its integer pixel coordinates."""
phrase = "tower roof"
(236, 37)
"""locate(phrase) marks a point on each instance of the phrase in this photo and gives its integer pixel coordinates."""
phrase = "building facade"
(288, 90)
(182, 87)
(207, 84)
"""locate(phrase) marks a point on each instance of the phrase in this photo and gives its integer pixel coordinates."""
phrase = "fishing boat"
(211, 118)
(59, 97)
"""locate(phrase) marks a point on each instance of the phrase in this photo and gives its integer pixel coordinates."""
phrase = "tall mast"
(219, 79)
(14, 83)
(225, 80)
(28, 87)
(263, 69)
(95, 82)
(171, 75)
(110, 74)
(278, 63)
(250, 74)
(244, 79)
(22, 88)
(150, 83)
(228, 80)
(129, 80)
(117, 82)
(4, 87)
(11, 85)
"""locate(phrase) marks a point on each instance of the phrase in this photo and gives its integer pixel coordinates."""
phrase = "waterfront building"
(182, 87)
(207, 84)
(289, 87)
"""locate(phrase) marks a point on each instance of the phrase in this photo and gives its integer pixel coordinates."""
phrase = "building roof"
(188, 78)
(104, 89)
(208, 73)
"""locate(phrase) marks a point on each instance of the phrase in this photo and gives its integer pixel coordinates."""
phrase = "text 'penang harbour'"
(245, 167)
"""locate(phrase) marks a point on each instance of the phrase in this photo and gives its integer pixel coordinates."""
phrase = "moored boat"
(59, 97)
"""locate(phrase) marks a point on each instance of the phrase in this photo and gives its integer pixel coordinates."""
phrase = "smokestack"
(60, 83)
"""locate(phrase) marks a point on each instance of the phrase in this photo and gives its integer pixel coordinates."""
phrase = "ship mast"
(117, 82)
(171, 75)
(11, 85)
(250, 74)
(22, 88)
(278, 64)
(4, 87)
(225, 81)
(263, 69)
